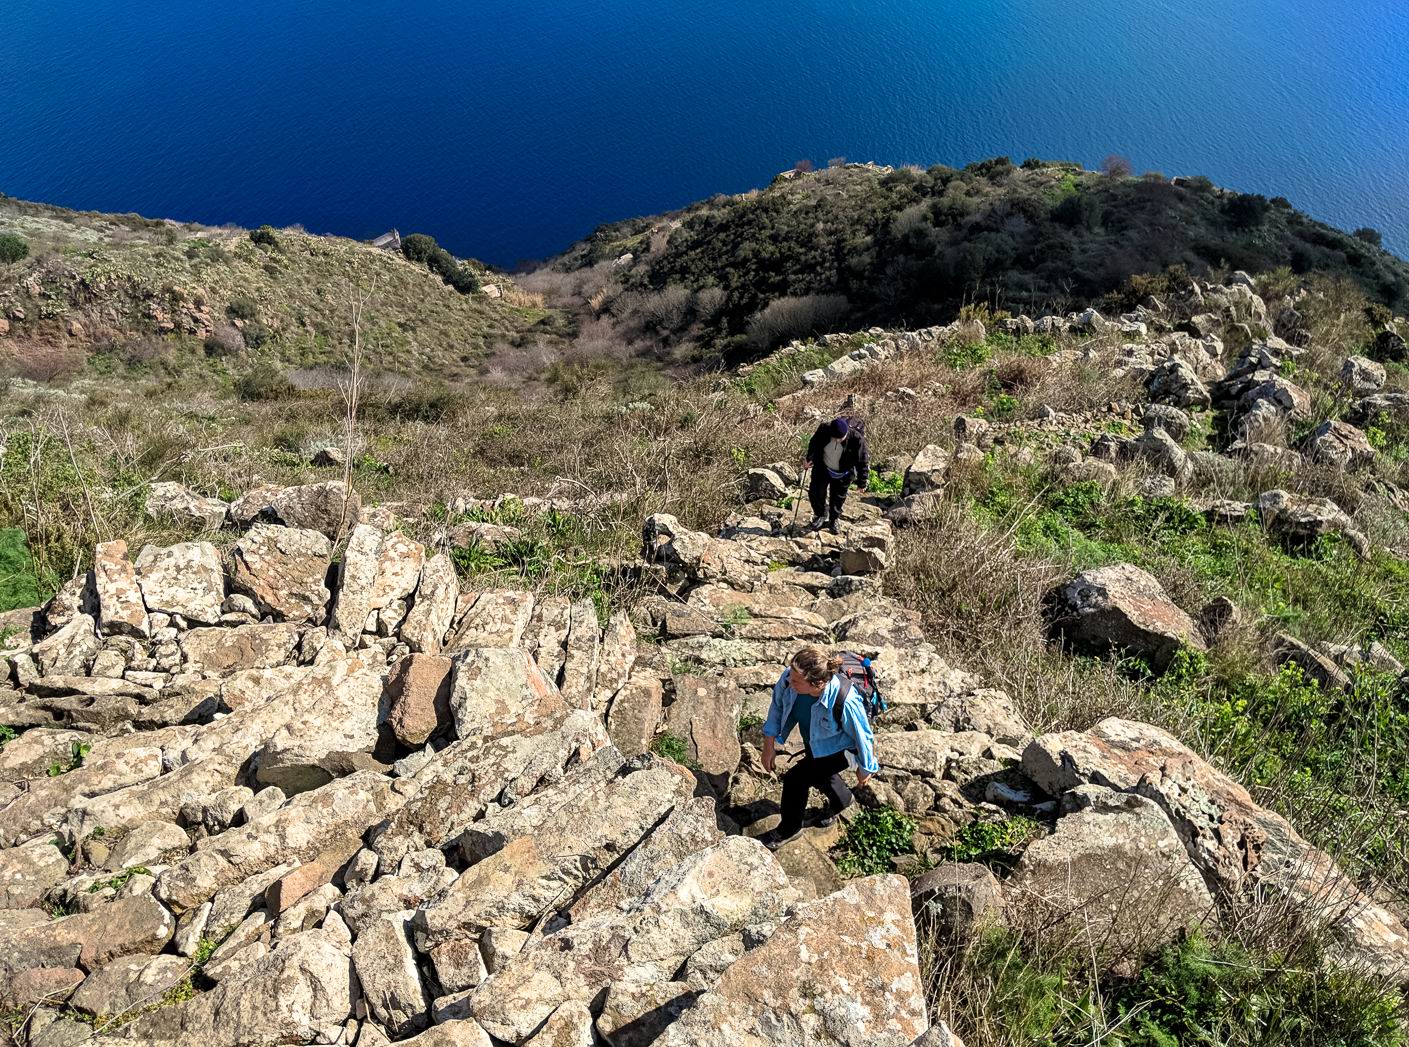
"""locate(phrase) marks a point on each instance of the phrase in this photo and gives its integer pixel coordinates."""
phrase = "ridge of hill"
(857, 245)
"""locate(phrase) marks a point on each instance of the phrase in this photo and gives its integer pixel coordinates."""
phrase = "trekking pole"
(797, 502)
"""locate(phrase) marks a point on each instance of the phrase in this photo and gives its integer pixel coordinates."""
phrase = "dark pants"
(825, 493)
(812, 772)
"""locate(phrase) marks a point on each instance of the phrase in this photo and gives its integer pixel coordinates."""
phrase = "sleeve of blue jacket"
(855, 724)
(774, 723)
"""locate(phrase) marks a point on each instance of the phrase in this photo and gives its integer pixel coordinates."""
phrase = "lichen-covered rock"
(432, 612)
(1121, 607)
(70, 651)
(184, 579)
(220, 651)
(635, 713)
(121, 611)
(386, 970)
(712, 894)
(1340, 444)
(179, 502)
(500, 690)
(927, 473)
(1237, 846)
(283, 570)
(496, 619)
(1114, 875)
(1298, 518)
(88, 940)
(705, 715)
(841, 971)
(27, 872)
(329, 508)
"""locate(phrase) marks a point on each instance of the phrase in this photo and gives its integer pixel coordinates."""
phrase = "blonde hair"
(816, 664)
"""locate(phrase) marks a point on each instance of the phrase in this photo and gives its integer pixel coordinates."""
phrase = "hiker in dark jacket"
(838, 456)
(814, 697)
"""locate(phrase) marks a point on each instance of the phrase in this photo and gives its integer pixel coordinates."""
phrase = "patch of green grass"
(784, 371)
(873, 839)
(886, 484)
(119, 879)
(671, 746)
(748, 721)
(7, 734)
(19, 578)
(1193, 994)
(990, 842)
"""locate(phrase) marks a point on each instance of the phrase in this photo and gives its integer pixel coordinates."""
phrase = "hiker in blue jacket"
(807, 696)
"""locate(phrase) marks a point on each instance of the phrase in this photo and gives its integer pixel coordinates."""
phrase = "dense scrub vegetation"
(851, 246)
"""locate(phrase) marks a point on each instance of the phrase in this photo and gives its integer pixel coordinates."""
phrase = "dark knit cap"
(840, 428)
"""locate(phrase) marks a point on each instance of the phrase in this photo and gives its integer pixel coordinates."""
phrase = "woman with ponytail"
(814, 696)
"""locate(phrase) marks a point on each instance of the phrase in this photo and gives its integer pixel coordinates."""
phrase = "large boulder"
(499, 618)
(1339, 444)
(736, 884)
(1240, 849)
(1362, 376)
(70, 651)
(1298, 519)
(1114, 875)
(283, 570)
(635, 713)
(1176, 383)
(125, 927)
(927, 473)
(289, 996)
(330, 508)
(705, 715)
(179, 502)
(388, 975)
(377, 570)
(304, 752)
(220, 651)
(1122, 608)
(184, 579)
(841, 972)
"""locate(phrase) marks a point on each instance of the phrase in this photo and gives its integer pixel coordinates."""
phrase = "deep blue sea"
(510, 129)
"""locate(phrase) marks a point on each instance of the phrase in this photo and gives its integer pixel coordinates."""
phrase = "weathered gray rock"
(304, 985)
(432, 612)
(48, 800)
(70, 651)
(121, 611)
(283, 570)
(1161, 450)
(1167, 417)
(713, 894)
(927, 473)
(301, 830)
(635, 713)
(184, 579)
(124, 927)
(1113, 875)
(958, 899)
(582, 655)
(1237, 846)
(1315, 666)
(386, 969)
(129, 983)
(764, 485)
(29, 871)
(220, 651)
(1339, 444)
(495, 619)
(357, 574)
(705, 714)
(418, 697)
(1176, 383)
(296, 756)
(500, 690)
(522, 880)
(1362, 376)
(1121, 607)
(1300, 518)
(618, 656)
(635, 1013)
(179, 502)
(843, 970)
(329, 508)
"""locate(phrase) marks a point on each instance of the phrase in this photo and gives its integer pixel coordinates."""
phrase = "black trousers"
(812, 772)
(827, 494)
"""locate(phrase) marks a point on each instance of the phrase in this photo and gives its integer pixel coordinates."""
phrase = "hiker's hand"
(769, 747)
(862, 778)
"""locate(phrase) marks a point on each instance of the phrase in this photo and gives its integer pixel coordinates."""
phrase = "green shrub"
(264, 381)
(418, 247)
(264, 236)
(672, 747)
(242, 307)
(873, 839)
(990, 842)
(12, 248)
(19, 579)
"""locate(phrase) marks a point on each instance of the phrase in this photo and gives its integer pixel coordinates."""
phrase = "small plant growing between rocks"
(119, 879)
(873, 839)
(990, 842)
(671, 746)
(77, 754)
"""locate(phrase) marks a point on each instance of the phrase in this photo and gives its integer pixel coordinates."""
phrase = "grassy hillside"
(856, 245)
(103, 293)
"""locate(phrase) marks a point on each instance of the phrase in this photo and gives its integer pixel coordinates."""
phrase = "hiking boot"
(835, 526)
(817, 524)
(827, 820)
(773, 839)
